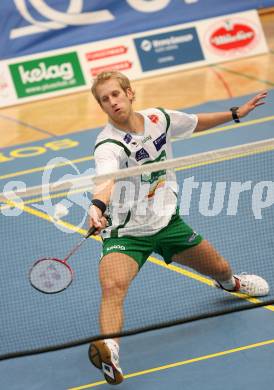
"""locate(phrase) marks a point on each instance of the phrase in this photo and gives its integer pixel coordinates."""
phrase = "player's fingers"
(104, 222)
(259, 104)
(97, 226)
(261, 95)
(264, 91)
(95, 222)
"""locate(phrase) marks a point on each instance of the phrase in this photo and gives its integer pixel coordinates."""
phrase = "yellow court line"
(42, 215)
(181, 363)
(203, 279)
(198, 134)
(45, 167)
(43, 198)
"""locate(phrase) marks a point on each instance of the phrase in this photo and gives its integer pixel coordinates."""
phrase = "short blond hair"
(112, 74)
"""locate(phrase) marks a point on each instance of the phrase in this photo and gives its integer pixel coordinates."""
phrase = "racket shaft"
(77, 246)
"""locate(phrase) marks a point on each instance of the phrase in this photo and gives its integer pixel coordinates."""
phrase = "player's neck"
(134, 124)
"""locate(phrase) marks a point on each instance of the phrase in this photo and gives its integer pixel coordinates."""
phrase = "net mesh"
(230, 205)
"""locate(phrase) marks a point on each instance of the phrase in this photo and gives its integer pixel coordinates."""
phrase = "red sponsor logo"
(108, 52)
(231, 36)
(154, 118)
(123, 65)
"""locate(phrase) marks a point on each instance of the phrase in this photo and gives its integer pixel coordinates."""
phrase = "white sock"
(228, 284)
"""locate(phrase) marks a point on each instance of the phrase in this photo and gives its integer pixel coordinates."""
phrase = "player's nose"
(112, 101)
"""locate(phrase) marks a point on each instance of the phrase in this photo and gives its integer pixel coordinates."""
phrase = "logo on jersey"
(127, 138)
(148, 138)
(192, 237)
(120, 247)
(154, 118)
(160, 141)
(141, 154)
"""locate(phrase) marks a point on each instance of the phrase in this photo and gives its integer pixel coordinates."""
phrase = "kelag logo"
(47, 74)
(169, 49)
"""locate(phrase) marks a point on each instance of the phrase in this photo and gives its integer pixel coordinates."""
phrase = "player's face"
(115, 102)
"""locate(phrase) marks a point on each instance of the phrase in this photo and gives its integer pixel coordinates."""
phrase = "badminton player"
(129, 139)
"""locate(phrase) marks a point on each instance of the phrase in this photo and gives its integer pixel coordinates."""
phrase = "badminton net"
(226, 196)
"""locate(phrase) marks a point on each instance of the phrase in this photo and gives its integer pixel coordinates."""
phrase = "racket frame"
(63, 262)
(89, 233)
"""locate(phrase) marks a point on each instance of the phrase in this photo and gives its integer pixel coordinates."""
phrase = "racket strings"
(50, 275)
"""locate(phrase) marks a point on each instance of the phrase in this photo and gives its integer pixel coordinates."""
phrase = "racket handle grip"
(90, 232)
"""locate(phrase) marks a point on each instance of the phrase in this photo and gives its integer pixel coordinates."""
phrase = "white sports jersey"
(142, 205)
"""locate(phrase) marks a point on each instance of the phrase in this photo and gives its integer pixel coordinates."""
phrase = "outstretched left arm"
(207, 121)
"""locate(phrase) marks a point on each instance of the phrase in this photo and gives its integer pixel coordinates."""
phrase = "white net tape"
(194, 160)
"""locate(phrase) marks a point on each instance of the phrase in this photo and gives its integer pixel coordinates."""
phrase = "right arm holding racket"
(107, 159)
(51, 275)
(100, 200)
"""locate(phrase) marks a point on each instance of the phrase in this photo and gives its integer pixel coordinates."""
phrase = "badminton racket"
(52, 275)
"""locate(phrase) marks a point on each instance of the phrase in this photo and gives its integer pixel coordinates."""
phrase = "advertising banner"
(169, 49)
(232, 37)
(47, 74)
(119, 54)
(35, 26)
(266, 3)
(139, 55)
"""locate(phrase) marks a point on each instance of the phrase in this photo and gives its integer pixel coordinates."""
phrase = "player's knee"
(113, 287)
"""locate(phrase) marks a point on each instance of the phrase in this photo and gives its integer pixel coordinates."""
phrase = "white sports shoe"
(251, 285)
(103, 354)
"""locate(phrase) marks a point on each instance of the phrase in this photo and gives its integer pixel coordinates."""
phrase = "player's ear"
(130, 94)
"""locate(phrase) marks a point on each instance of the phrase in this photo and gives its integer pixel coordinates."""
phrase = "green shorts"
(176, 237)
